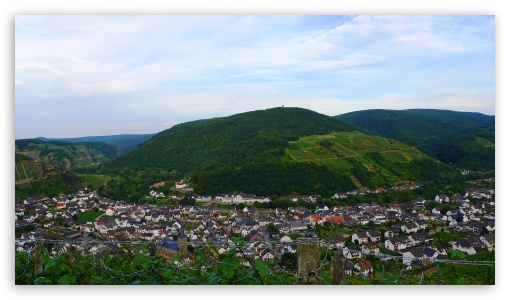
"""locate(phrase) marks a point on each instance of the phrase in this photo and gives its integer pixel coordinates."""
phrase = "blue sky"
(81, 75)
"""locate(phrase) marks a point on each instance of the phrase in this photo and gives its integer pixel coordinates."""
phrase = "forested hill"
(197, 144)
(461, 138)
(125, 142)
(251, 142)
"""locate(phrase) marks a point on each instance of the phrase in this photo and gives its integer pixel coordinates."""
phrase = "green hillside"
(21, 167)
(464, 139)
(51, 185)
(27, 168)
(125, 142)
(233, 139)
(269, 152)
(241, 152)
(63, 155)
(373, 161)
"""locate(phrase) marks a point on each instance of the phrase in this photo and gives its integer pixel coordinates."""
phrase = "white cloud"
(181, 68)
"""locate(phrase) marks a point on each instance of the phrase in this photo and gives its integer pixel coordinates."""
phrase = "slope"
(373, 161)
(197, 144)
(242, 152)
(65, 155)
(464, 139)
(125, 142)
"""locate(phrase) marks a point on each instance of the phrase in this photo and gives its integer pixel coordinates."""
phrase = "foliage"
(53, 185)
(246, 145)
(289, 261)
(65, 155)
(188, 200)
(125, 142)
(126, 264)
(138, 264)
(461, 138)
(95, 181)
(272, 228)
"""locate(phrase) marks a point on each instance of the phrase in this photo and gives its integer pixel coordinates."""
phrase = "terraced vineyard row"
(344, 151)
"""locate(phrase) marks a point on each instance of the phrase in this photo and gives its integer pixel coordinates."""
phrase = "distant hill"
(125, 142)
(464, 139)
(43, 157)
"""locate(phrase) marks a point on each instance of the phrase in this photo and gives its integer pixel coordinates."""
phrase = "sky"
(86, 75)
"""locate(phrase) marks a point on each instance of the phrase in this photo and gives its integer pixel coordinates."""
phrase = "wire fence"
(237, 262)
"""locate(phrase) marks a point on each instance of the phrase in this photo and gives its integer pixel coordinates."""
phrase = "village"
(408, 229)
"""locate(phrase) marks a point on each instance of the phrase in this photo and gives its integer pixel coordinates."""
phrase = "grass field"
(485, 142)
(95, 180)
(449, 236)
(89, 216)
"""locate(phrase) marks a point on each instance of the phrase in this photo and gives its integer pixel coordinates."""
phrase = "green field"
(485, 142)
(95, 180)
(89, 216)
(22, 171)
(449, 236)
(338, 150)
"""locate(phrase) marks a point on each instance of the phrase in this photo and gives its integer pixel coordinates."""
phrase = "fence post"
(336, 270)
(309, 260)
(38, 268)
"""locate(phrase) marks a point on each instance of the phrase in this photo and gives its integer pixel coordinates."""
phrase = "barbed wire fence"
(113, 262)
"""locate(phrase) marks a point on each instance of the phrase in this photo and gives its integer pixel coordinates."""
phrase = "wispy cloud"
(169, 69)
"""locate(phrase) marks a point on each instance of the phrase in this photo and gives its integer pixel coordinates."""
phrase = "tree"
(188, 200)
(289, 260)
(272, 229)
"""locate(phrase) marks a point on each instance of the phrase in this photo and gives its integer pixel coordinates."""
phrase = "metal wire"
(242, 266)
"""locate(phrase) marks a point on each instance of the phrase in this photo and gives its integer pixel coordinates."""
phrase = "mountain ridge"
(465, 139)
(125, 142)
(243, 152)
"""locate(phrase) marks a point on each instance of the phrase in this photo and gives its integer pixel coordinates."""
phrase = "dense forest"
(125, 142)
(464, 139)
(62, 183)
(252, 153)
(217, 153)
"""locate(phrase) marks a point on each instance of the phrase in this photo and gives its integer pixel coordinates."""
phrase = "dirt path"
(26, 175)
(16, 167)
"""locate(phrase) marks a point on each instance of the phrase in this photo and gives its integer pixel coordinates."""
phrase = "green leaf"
(261, 267)
(138, 259)
(230, 273)
(64, 268)
(201, 258)
(42, 280)
(213, 279)
(67, 279)
(52, 263)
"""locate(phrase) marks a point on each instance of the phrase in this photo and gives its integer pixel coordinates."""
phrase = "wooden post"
(309, 261)
(38, 268)
(337, 271)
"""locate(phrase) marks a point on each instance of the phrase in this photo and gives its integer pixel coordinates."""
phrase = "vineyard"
(49, 262)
